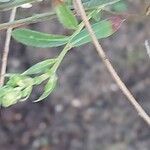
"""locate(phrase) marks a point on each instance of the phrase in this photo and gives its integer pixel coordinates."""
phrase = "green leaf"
(120, 6)
(38, 39)
(65, 15)
(49, 87)
(102, 29)
(96, 16)
(25, 93)
(40, 67)
(39, 79)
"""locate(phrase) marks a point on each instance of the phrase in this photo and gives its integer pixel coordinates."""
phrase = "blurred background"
(86, 111)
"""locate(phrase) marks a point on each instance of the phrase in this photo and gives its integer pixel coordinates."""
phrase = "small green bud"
(11, 97)
(19, 80)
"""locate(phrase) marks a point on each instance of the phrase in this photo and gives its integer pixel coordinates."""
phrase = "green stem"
(69, 44)
(33, 19)
(60, 58)
(66, 49)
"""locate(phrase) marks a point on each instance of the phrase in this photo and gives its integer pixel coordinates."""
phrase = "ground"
(86, 111)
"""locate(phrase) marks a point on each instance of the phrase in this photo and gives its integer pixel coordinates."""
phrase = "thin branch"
(109, 66)
(6, 48)
(50, 15)
(33, 19)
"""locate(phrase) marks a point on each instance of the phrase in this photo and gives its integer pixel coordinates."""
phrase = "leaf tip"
(116, 22)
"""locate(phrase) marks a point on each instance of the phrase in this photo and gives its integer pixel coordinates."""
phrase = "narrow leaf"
(119, 7)
(40, 67)
(102, 29)
(39, 79)
(65, 15)
(38, 39)
(26, 93)
(51, 84)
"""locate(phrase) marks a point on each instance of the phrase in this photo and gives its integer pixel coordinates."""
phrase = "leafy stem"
(69, 43)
